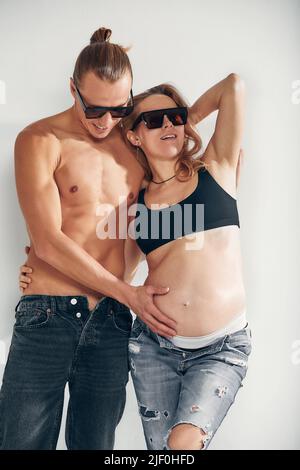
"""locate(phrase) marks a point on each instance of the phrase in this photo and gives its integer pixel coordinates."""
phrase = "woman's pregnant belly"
(206, 285)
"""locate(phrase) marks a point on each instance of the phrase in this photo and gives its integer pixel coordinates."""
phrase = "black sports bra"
(208, 206)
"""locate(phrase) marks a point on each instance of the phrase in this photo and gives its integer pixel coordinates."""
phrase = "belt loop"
(16, 307)
(249, 333)
(110, 303)
(53, 304)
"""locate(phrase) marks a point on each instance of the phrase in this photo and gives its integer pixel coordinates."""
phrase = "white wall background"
(193, 44)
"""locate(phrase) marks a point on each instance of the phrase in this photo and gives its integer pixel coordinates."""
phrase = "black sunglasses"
(96, 112)
(154, 119)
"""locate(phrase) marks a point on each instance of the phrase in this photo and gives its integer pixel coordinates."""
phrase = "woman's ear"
(133, 138)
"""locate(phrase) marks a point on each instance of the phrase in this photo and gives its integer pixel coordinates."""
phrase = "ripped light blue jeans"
(175, 385)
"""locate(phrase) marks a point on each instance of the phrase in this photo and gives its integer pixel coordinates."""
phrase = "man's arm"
(36, 158)
(227, 96)
(133, 256)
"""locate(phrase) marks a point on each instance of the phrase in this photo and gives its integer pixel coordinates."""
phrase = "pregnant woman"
(187, 226)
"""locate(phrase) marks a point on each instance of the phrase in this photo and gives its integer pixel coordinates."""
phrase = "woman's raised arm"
(228, 98)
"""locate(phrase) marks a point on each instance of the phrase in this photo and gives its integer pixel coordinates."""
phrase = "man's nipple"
(73, 189)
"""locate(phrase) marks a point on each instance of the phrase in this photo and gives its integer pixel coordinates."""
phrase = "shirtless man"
(73, 324)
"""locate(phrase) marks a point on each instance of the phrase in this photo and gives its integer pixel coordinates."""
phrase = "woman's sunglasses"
(97, 112)
(154, 119)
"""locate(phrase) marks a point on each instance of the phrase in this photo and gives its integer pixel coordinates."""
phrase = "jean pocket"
(30, 318)
(122, 320)
(240, 342)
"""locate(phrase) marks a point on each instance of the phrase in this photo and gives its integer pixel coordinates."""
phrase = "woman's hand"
(24, 279)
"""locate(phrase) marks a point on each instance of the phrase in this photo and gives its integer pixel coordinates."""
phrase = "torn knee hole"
(187, 436)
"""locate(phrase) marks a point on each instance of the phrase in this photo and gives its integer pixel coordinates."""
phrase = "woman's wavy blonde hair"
(188, 161)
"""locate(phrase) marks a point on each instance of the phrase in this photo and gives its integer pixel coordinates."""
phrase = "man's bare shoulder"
(44, 128)
(36, 139)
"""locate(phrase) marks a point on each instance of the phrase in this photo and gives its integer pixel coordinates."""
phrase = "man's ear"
(72, 87)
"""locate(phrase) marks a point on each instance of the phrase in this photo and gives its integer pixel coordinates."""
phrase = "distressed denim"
(58, 340)
(175, 385)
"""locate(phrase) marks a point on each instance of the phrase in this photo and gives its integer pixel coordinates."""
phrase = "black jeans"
(57, 340)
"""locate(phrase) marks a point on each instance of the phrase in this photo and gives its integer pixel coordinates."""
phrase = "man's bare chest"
(88, 175)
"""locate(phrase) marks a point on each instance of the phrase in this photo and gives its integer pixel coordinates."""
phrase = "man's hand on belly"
(141, 303)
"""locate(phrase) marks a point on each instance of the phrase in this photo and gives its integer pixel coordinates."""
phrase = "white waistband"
(195, 342)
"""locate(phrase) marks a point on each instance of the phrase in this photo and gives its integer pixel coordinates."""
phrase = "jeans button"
(73, 301)
(111, 312)
(78, 314)
(48, 310)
